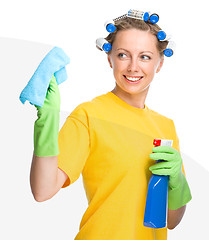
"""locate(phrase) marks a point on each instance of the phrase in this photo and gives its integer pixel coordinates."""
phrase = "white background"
(29, 29)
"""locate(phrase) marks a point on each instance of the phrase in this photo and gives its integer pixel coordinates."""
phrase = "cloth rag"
(53, 63)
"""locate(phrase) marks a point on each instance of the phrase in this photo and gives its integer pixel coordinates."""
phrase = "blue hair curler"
(169, 51)
(154, 18)
(138, 15)
(110, 26)
(161, 35)
(146, 16)
(103, 44)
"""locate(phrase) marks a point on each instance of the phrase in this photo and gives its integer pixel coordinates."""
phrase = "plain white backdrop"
(29, 30)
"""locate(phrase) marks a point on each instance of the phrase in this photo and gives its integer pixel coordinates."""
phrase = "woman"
(109, 139)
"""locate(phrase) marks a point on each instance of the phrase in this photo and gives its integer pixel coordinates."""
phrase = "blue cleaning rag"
(53, 63)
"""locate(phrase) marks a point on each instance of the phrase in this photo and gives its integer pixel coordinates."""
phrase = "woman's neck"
(135, 100)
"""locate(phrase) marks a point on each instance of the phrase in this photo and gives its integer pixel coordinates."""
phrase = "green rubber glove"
(46, 127)
(178, 192)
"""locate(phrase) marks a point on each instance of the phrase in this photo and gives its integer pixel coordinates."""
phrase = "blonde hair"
(129, 23)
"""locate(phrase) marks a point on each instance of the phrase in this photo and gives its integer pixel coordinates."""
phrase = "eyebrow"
(128, 51)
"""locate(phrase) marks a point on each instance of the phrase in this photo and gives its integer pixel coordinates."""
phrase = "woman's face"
(134, 59)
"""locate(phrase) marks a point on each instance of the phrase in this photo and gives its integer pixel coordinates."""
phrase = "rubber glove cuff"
(46, 127)
(179, 195)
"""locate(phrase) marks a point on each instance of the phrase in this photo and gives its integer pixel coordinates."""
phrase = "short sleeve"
(176, 142)
(74, 145)
(181, 195)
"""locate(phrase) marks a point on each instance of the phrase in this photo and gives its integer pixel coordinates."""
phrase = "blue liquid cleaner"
(155, 215)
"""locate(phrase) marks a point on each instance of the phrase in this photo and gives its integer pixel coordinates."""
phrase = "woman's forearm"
(43, 176)
(175, 216)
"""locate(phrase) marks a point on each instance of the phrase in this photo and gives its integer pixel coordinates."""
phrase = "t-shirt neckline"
(125, 104)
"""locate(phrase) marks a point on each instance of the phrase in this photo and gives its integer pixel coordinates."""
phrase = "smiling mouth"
(133, 78)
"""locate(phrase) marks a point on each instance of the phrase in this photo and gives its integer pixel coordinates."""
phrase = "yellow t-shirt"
(109, 142)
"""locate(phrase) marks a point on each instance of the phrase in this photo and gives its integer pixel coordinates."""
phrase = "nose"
(133, 65)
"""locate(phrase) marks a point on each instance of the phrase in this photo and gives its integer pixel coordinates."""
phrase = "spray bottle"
(155, 215)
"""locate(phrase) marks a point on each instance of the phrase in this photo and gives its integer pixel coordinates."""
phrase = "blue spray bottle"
(155, 215)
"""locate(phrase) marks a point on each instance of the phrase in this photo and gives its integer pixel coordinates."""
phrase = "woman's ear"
(160, 64)
(109, 60)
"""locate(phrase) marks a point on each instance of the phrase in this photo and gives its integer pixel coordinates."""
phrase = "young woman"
(110, 141)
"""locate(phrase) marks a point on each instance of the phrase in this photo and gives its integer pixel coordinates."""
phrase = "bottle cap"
(157, 142)
(162, 142)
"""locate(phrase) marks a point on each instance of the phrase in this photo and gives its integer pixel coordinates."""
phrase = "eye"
(122, 55)
(145, 57)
